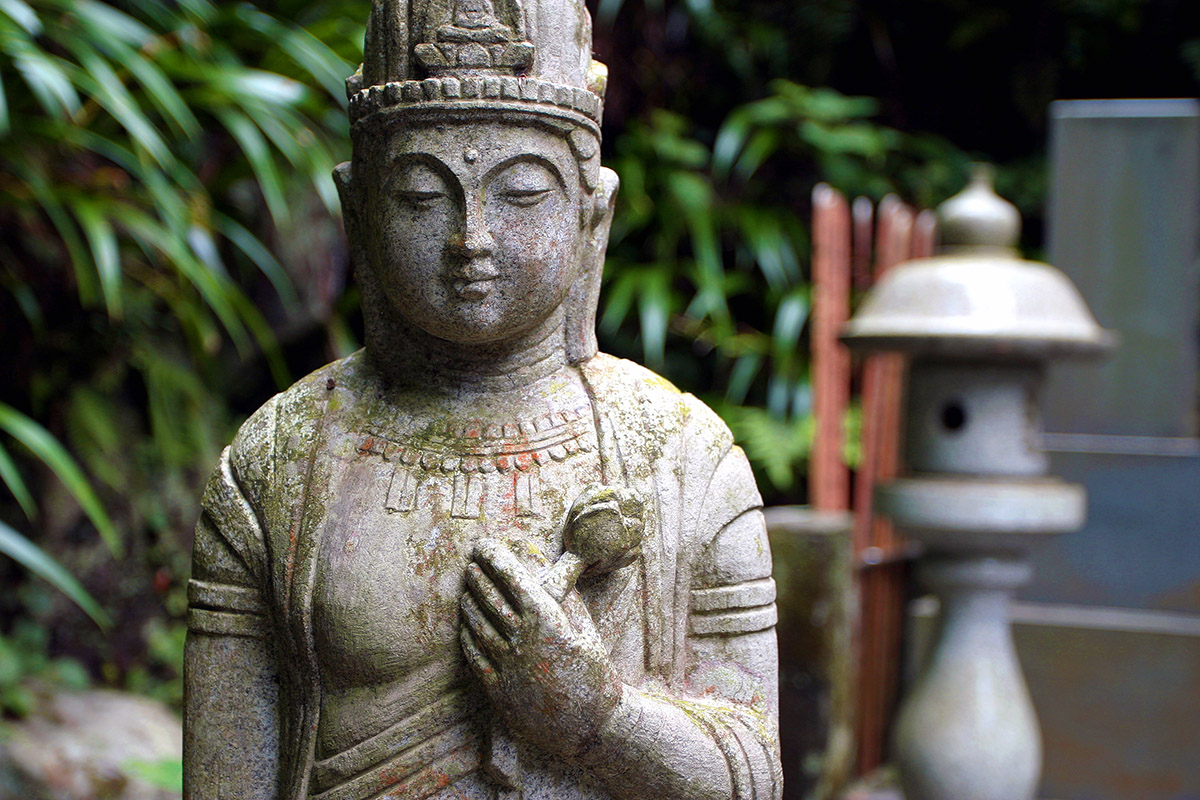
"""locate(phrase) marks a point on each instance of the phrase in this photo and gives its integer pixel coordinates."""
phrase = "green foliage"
(709, 248)
(47, 449)
(118, 110)
(166, 774)
(17, 547)
(709, 252)
(33, 558)
(153, 156)
(161, 676)
(775, 446)
(852, 152)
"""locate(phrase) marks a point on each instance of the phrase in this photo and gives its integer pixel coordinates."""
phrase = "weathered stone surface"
(478, 559)
(89, 746)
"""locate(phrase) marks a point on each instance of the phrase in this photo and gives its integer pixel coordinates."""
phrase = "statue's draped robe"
(697, 632)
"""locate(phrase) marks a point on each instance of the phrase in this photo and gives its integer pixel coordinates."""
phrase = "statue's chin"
(472, 322)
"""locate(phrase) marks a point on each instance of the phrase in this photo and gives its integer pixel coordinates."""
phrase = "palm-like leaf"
(139, 144)
(33, 558)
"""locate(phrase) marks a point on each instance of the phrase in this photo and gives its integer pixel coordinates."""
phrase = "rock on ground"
(97, 745)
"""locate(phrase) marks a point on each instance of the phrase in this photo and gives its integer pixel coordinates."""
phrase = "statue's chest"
(402, 521)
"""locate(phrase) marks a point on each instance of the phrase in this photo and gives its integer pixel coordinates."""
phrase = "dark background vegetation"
(172, 255)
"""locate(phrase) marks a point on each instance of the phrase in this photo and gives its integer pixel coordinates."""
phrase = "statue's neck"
(416, 359)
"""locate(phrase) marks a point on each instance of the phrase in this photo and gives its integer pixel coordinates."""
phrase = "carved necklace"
(471, 452)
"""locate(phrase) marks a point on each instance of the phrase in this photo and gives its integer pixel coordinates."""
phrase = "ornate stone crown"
(526, 55)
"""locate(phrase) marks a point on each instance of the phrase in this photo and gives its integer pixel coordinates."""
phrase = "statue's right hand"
(546, 672)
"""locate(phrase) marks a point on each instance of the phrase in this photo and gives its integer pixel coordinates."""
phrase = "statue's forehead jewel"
(561, 162)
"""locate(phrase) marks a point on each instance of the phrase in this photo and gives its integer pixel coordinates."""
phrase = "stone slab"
(813, 573)
(1124, 225)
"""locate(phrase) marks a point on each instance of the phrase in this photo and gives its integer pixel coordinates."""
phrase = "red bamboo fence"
(854, 246)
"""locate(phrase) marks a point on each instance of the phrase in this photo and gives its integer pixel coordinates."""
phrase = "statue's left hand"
(545, 670)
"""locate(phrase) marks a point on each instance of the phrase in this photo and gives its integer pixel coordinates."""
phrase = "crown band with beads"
(476, 90)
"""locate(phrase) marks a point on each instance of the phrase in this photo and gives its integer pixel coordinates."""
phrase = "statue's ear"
(352, 214)
(605, 199)
(585, 294)
(343, 178)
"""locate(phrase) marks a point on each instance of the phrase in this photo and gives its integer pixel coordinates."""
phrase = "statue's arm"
(550, 677)
(720, 738)
(231, 676)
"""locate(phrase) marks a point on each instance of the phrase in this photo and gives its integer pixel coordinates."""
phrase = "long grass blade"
(5, 125)
(257, 252)
(789, 322)
(163, 93)
(103, 241)
(654, 312)
(309, 52)
(251, 140)
(112, 24)
(619, 297)
(744, 371)
(696, 199)
(85, 276)
(23, 14)
(103, 83)
(16, 484)
(211, 286)
(43, 445)
(263, 334)
(45, 78)
(33, 558)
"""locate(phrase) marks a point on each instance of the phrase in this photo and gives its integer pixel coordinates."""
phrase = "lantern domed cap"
(977, 297)
(977, 217)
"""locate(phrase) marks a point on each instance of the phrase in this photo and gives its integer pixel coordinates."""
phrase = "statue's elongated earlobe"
(605, 199)
(581, 303)
(352, 212)
(377, 323)
(343, 179)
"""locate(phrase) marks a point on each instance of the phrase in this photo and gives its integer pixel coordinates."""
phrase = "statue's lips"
(473, 289)
(474, 280)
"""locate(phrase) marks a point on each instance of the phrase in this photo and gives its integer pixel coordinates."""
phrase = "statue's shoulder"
(645, 396)
(675, 436)
(307, 400)
(288, 420)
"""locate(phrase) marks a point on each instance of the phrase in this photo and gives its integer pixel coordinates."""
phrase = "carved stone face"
(481, 232)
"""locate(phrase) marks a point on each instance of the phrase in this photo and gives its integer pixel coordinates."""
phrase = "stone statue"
(477, 559)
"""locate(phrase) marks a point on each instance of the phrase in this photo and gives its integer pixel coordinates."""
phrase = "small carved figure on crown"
(476, 39)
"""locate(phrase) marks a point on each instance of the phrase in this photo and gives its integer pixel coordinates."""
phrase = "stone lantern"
(978, 324)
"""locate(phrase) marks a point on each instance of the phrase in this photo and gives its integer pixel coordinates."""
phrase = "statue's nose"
(476, 240)
(478, 243)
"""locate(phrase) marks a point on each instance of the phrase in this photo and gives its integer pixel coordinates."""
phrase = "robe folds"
(695, 623)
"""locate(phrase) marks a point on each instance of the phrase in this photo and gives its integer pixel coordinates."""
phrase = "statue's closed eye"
(420, 199)
(526, 197)
(420, 187)
(525, 184)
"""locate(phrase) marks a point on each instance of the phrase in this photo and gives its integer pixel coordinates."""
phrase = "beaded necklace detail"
(471, 452)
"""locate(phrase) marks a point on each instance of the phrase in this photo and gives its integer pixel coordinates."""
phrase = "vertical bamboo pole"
(855, 245)
(864, 232)
(882, 573)
(829, 478)
(924, 238)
